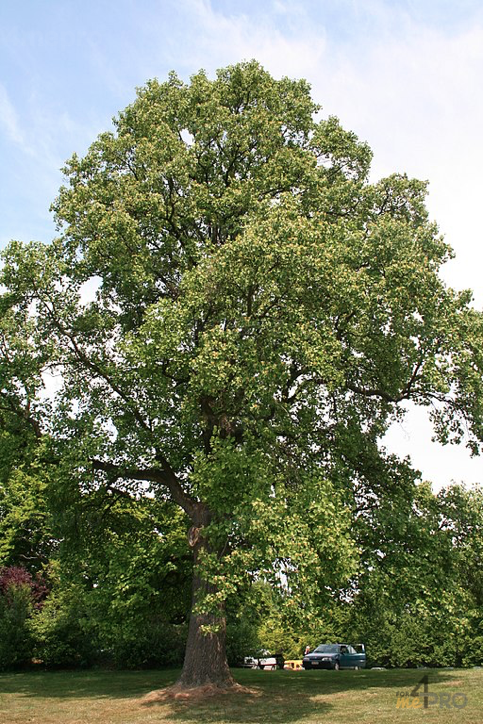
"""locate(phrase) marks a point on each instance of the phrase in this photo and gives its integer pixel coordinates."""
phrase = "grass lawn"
(313, 697)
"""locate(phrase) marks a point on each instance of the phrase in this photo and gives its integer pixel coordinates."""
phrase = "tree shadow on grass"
(255, 707)
(278, 696)
(286, 697)
(86, 684)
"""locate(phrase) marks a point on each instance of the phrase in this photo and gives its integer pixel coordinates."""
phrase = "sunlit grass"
(312, 697)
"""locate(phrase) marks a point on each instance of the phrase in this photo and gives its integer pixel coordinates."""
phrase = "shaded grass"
(312, 697)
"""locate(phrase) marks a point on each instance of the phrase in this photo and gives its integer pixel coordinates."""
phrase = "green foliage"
(147, 642)
(16, 606)
(26, 519)
(416, 600)
(64, 632)
(242, 637)
(123, 593)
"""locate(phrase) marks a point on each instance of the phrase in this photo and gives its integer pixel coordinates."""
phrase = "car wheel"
(356, 668)
(336, 666)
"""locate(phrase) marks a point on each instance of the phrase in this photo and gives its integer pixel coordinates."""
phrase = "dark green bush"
(16, 645)
(143, 643)
(64, 633)
(20, 596)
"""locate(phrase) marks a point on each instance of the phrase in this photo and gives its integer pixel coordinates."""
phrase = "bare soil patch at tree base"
(176, 692)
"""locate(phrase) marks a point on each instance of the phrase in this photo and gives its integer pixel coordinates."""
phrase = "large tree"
(235, 315)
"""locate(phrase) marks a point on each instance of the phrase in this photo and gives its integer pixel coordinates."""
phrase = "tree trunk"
(205, 660)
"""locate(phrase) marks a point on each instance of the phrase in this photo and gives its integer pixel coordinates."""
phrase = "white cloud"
(415, 101)
(217, 38)
(9, 118)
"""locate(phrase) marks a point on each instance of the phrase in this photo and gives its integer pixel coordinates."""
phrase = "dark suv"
(335, 656)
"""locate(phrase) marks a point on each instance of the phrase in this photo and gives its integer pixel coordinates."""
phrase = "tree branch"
(164, 476)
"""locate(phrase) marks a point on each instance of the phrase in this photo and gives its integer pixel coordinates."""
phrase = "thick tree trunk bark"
(205, 660)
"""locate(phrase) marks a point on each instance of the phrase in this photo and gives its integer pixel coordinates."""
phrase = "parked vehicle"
(264, 661)
(336, 656)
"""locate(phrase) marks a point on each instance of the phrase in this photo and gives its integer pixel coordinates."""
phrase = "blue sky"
(405, 75)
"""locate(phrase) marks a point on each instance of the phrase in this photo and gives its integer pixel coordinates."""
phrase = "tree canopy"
(233, 315)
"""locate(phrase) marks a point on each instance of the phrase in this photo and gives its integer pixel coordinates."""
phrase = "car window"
(327, 649)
